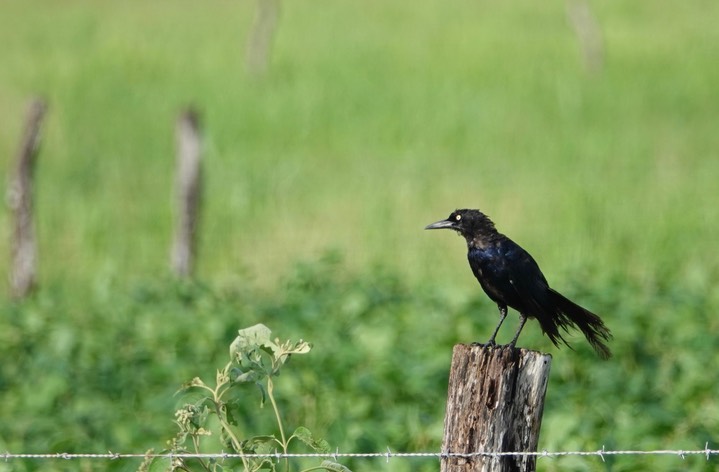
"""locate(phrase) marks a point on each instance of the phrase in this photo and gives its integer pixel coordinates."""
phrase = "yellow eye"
(458, 217)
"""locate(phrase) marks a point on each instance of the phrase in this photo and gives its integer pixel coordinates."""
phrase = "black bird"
(511, 277)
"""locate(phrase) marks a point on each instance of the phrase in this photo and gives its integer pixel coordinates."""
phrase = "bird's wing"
(529, 286)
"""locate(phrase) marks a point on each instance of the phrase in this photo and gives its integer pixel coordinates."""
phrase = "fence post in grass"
(261, 36)
(589, 34)
(188, 190)
(19, 198)
(494, 405)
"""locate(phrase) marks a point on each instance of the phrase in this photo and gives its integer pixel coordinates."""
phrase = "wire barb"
(601, 453)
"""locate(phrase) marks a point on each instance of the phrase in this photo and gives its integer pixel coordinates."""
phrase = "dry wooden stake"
(494, 404)
(188, 190)
(589, 34)
(259, 46)
(20, 200)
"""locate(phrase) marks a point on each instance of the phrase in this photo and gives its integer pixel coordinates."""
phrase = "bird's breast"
(487, 262)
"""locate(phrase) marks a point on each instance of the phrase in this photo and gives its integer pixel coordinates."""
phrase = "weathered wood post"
(589, 34)
(19, 198)
(188, 192)
(494, 404)
(263, 31)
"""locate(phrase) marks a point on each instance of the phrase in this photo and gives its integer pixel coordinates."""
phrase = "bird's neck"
(483, 239)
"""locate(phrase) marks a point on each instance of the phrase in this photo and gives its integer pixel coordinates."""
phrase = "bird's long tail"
(571, 314)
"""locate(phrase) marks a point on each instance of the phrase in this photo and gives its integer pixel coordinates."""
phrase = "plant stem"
(196, 444)
(270, 388)
(217, 401)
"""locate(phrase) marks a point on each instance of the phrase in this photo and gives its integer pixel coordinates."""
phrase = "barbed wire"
(601, 453)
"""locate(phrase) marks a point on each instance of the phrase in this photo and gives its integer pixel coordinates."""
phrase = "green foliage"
(254, 359)
(97, 373)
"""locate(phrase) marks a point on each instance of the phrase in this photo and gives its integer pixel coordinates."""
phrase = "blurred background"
(587, 131)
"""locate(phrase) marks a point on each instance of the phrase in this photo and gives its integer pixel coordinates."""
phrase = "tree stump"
(494, 404)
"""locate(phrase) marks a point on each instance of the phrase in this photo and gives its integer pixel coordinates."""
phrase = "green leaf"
(226, 440)
(253, 361)
(304, 435)
(263, 391)
(260, 445)
(302, 347)
(334, 466)
(249, 339)
(157, 465)
(251, 376)
(231, 410)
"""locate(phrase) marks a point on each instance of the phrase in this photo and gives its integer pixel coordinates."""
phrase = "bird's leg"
(503, 314)
(519, 330)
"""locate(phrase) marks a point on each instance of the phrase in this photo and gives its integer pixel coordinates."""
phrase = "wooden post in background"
(494, 404)
(263, 31)
(188, 192)
(589, 34)
(20, 200)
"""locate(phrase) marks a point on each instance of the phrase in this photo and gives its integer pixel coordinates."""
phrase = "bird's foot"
(513, 345)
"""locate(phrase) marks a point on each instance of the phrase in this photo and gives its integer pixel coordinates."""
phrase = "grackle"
(511, 277)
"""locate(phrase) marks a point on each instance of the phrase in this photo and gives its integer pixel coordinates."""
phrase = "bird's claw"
(488, 345)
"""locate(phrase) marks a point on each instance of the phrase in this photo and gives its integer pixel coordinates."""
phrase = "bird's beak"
(441, 224)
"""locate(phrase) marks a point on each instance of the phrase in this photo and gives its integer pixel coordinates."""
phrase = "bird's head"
(468, 223)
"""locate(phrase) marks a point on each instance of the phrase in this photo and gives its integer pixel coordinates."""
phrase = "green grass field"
(375, 119)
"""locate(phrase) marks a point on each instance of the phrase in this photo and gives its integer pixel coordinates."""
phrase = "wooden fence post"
(494, 404)
(19, 197)
(589, 34)
(188, 192)
(261, 36)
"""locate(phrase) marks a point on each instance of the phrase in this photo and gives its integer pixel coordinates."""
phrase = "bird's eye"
(458, 217)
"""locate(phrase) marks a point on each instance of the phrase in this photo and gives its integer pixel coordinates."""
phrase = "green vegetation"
(374, 120)
(255, 359)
